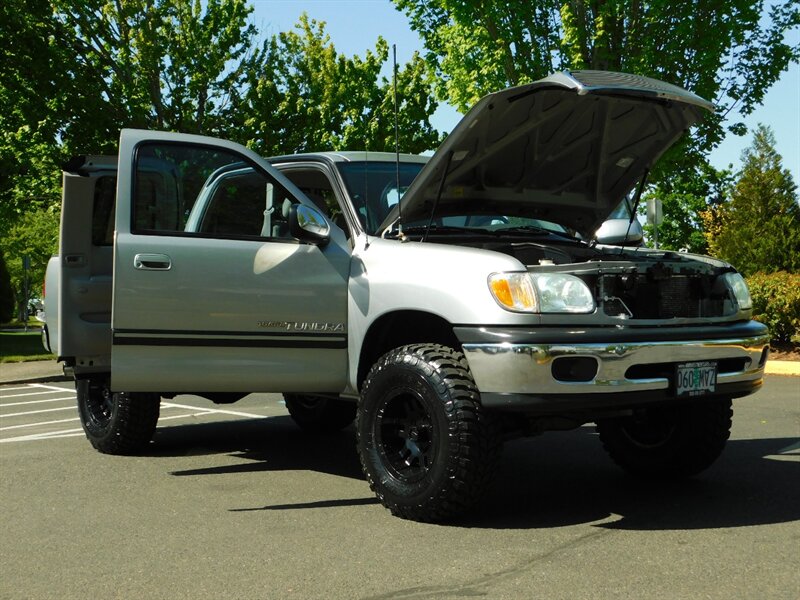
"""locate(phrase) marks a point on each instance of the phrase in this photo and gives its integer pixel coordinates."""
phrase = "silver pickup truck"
(444, 304)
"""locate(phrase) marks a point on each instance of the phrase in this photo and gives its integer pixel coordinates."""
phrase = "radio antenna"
(397, 145)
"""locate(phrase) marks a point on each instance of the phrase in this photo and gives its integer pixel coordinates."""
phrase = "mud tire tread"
(133, 420)
(474, 441)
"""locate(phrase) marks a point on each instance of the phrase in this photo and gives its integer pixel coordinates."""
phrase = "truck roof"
(348, 156)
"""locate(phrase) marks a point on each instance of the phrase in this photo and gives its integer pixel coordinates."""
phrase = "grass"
(22, 347)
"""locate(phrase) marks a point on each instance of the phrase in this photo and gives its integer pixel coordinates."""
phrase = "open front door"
(211, 292)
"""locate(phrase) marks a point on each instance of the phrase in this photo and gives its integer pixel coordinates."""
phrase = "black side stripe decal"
(325, 344)
(263, 334)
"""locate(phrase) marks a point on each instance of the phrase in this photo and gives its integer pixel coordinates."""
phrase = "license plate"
(696, 378)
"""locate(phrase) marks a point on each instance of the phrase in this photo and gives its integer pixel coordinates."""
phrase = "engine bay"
(631, 283)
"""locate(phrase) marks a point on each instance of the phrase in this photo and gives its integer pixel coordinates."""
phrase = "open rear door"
(85, 264)
(211, 291)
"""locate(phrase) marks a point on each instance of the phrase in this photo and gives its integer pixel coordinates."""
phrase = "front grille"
(676, 298)
(644, 296)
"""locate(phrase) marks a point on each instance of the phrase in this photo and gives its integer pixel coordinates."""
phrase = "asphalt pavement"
(234, 501)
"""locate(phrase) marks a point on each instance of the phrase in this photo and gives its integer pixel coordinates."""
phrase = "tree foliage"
(685, 196)
(776, 303)
(33, 81)
(79, 71)
(758, 229)
(75, 72)
(723, 51)
(6, 292)
(35, 236)
(302, 95)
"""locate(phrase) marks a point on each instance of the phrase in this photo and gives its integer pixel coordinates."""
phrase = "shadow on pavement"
(567, 479)
(274, 444)
(555, 480)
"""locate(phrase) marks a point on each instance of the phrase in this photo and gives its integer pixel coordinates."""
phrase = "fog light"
(574, 369)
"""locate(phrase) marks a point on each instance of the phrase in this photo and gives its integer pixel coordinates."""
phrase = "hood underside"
(565, 149)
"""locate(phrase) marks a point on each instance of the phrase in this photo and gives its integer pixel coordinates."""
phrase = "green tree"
(758, 229)
(160, 64)
(34, 79)
(34, 235)
(685, 196)
(302, 95)
(6, 292)
(76, 72)
(723, 51)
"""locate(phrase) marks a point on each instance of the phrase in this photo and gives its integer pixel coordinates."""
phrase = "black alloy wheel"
(427, 447)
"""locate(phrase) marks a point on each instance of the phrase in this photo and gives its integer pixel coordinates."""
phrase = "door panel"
(210, 292)
(85, 266)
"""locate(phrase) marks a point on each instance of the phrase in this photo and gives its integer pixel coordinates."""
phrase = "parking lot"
(234, 501)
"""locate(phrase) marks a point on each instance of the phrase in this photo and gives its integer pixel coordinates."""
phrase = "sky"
(354, 27)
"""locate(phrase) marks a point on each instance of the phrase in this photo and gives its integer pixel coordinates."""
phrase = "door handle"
(152, 262)
(74, 260)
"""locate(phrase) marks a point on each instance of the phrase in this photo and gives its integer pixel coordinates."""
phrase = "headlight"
(561, 293)
(739, 288)
(541, 292)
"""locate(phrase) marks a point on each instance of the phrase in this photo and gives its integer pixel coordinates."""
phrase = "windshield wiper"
(535, 229)
(445, 229)
(523, 229)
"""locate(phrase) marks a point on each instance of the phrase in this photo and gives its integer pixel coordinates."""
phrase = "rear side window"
(183, 189)
(105, 194)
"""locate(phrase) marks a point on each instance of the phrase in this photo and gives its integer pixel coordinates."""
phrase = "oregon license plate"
(696, 378)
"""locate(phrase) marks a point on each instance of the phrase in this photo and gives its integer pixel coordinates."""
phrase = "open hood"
(566, 149)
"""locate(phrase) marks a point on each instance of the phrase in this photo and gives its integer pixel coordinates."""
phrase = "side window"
(318, 188)
(105, 195)
(196, 190)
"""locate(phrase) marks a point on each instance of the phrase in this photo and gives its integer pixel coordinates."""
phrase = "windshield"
(624, 208)
(373, 188)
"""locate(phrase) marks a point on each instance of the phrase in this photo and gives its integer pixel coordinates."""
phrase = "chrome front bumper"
(516, 368)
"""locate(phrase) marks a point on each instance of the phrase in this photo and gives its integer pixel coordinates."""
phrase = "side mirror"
(308, 225)
(620, 232)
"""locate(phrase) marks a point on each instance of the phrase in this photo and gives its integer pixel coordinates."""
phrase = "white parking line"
(53, 387)
(39, 423)
(36, 412)
(195, 411)
(44, 436)
(214, 411)
(53, 391)
(14, 389)
(36, 401)
(179, 417)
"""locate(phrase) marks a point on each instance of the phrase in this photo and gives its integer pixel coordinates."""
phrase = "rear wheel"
(116, 422)
(318, 414)
(668, 441)
(427, 448)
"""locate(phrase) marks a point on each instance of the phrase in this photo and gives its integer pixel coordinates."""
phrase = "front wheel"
(427, 447)
(116, 422)
(678, 441)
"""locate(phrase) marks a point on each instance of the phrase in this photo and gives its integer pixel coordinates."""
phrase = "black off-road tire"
(318, 414)
(427, 447)
(116, 422)
(668, 442)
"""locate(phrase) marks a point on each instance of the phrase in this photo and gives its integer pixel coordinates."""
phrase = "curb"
(783, 367)
(31, 372)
